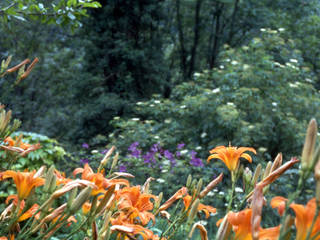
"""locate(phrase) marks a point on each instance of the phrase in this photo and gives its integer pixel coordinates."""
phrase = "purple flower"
(178, 154)
(168, 155)
(85, 145)
(104, 151)
(180, 146)
(122, 168)
(134, 151)
(155, 148)
(149, 157)
(197, 162)
(84, 160)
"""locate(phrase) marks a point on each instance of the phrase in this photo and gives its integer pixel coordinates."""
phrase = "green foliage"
(62, 12)
(261, 95)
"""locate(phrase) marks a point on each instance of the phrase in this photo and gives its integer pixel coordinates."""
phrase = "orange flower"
(304, 218)
(131, 230)
(25, 181)
(231, 155)
(19, 146)
(279, 203)
(29, 213)
(61, 177)
(242, 227)
(135, 204)
(98, 179)
(205, 208)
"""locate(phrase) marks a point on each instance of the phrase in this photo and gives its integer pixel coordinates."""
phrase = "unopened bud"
(309, 144)
(256, 175)
(189, 180)
(194, 210)
(53, 184)
(105, 199)
(114, 161)
(199, 187)
(267, 170)
(72, 195)
(277, 162)
(106, 157)
(158, 201)
(210, 186)
(48, 179)
(247, 175)
(83, 196)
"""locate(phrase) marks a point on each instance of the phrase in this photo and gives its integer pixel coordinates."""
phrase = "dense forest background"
(200, 72)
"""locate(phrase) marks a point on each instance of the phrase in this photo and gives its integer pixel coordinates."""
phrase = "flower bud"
(83, 196)
(267, 170)
(189, 180)
(114, 161)
(106, 157)
(277, 162)
(193, 210)
(199, 186)
(256, 175)
(48, 179)
(309, 144)
(72, 195)
(158, 201)
(105, 199)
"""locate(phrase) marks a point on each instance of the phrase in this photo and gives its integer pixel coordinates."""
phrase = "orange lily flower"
(205, 208)
(231, 155)
(241, 223)
(28, 214)
(16, 143)
(61, 177)
(127, 230)
(25, 181)
(304, 218)
(86, 208)
(136, 204)
(98, 179)
(11, 237)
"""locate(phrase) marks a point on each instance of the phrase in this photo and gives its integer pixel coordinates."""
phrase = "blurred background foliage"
(198, 72)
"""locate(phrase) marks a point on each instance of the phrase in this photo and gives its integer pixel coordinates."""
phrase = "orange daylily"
(304, 217)
(231, 155)
(205, 208)
(241, 223)
(98, 179)
(126, 229)
(61, 177)
(135, 204)
(25, 181)
(11, 237)
(17, 143)
(28, 214)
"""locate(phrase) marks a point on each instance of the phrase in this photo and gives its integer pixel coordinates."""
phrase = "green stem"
(292, 197)
(233, 179)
